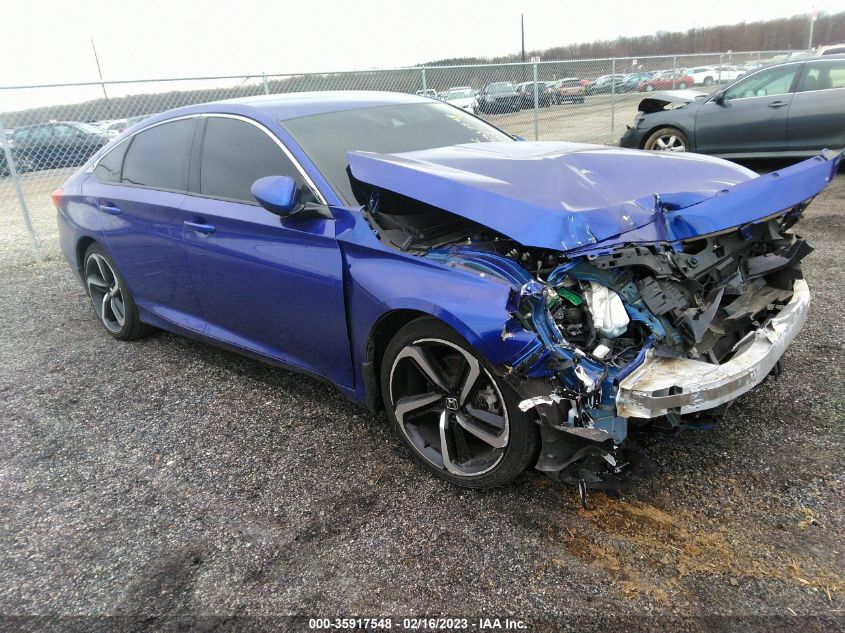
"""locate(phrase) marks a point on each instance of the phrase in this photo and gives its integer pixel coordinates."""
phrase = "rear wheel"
(448, 407)
(667, 139)
(110, 296)
(682, 85)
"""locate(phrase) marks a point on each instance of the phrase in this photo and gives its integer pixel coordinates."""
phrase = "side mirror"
(280, 195)
(277, 194)
(719, 97)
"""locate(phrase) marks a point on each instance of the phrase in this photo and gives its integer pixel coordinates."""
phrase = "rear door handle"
(778, 104)
(110, 208)
(206, 229)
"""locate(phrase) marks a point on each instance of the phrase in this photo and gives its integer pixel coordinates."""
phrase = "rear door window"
(823, 76)
(158, 157)
(234, 155)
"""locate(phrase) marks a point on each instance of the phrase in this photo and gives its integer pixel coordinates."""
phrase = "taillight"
(57, 197)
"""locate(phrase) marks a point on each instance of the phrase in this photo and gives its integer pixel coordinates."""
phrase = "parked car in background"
(498, 97)
(831, 49)
(113, 128)
(632, 82)
(55, 144)
(703, 75)
(431, 94)
(727, 73)
(790, 109)
(667, 80)
(569, 89)
(462, 97)
(605, 84)
(505, 303)
(526, 92)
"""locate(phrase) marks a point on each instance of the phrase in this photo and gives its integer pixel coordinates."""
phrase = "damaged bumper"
(679, 385)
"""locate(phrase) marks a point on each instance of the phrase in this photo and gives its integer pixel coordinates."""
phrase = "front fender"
(473, 304)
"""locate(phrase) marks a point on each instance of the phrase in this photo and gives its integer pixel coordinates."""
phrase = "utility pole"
(102, 83)
(522, 30)
(813, 15)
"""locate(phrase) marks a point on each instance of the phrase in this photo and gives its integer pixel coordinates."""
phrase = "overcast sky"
(47, 41)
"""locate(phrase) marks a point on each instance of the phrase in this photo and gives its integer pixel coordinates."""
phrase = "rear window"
(158, 157)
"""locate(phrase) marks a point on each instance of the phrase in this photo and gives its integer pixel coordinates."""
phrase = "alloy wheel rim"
(449, 407)
(669, 143)
(105, 292)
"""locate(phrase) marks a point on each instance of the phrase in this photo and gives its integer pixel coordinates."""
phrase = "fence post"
(13, 174)
(264, 81)
(612, 99)
(719, 78)
(425, 87)
(536, 128)
(674, 70)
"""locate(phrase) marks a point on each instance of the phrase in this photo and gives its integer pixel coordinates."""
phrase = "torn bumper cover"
(680, 385)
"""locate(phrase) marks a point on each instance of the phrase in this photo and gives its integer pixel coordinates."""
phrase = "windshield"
(326, 138)
(459, 94)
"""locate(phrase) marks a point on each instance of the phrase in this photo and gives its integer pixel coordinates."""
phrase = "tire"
(113, 304)
(667, 139)
(708, 81)
(682, 85)
(460, 404)
(649, 88)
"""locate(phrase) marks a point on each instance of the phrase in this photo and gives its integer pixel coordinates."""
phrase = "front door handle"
(201, 227)
(778, 104)
(110, 208)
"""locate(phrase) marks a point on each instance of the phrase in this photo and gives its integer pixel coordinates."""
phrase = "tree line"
(770, 35)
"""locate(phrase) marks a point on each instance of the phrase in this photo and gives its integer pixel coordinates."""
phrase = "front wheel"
(449, 408)
(667, 139)
(708, 81)
(682, 85)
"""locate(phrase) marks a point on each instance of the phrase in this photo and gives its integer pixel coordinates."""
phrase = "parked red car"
(667, 80)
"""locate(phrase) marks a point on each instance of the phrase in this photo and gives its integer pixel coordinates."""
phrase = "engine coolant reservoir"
(607, 310)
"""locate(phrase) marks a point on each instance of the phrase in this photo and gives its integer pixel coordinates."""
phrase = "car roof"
(281, 107)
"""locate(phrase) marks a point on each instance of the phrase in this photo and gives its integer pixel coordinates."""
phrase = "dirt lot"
(166, 478)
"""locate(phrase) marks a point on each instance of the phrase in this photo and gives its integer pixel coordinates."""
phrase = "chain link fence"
(47, 131)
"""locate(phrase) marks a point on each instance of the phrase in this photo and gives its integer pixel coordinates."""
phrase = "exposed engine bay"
(600, 316)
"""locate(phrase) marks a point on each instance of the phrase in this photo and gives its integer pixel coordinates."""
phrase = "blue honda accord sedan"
(508, 304)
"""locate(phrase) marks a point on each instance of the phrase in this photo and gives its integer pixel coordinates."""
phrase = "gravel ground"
(165, 478)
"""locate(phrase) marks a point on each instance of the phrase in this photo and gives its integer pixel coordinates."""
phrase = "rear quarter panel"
(78, 218)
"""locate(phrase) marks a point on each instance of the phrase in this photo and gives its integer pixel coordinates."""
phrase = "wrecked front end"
(643, 335)
(662, 325)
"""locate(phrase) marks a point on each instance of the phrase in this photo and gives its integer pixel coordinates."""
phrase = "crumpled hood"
(567, 196)
(659, 100)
